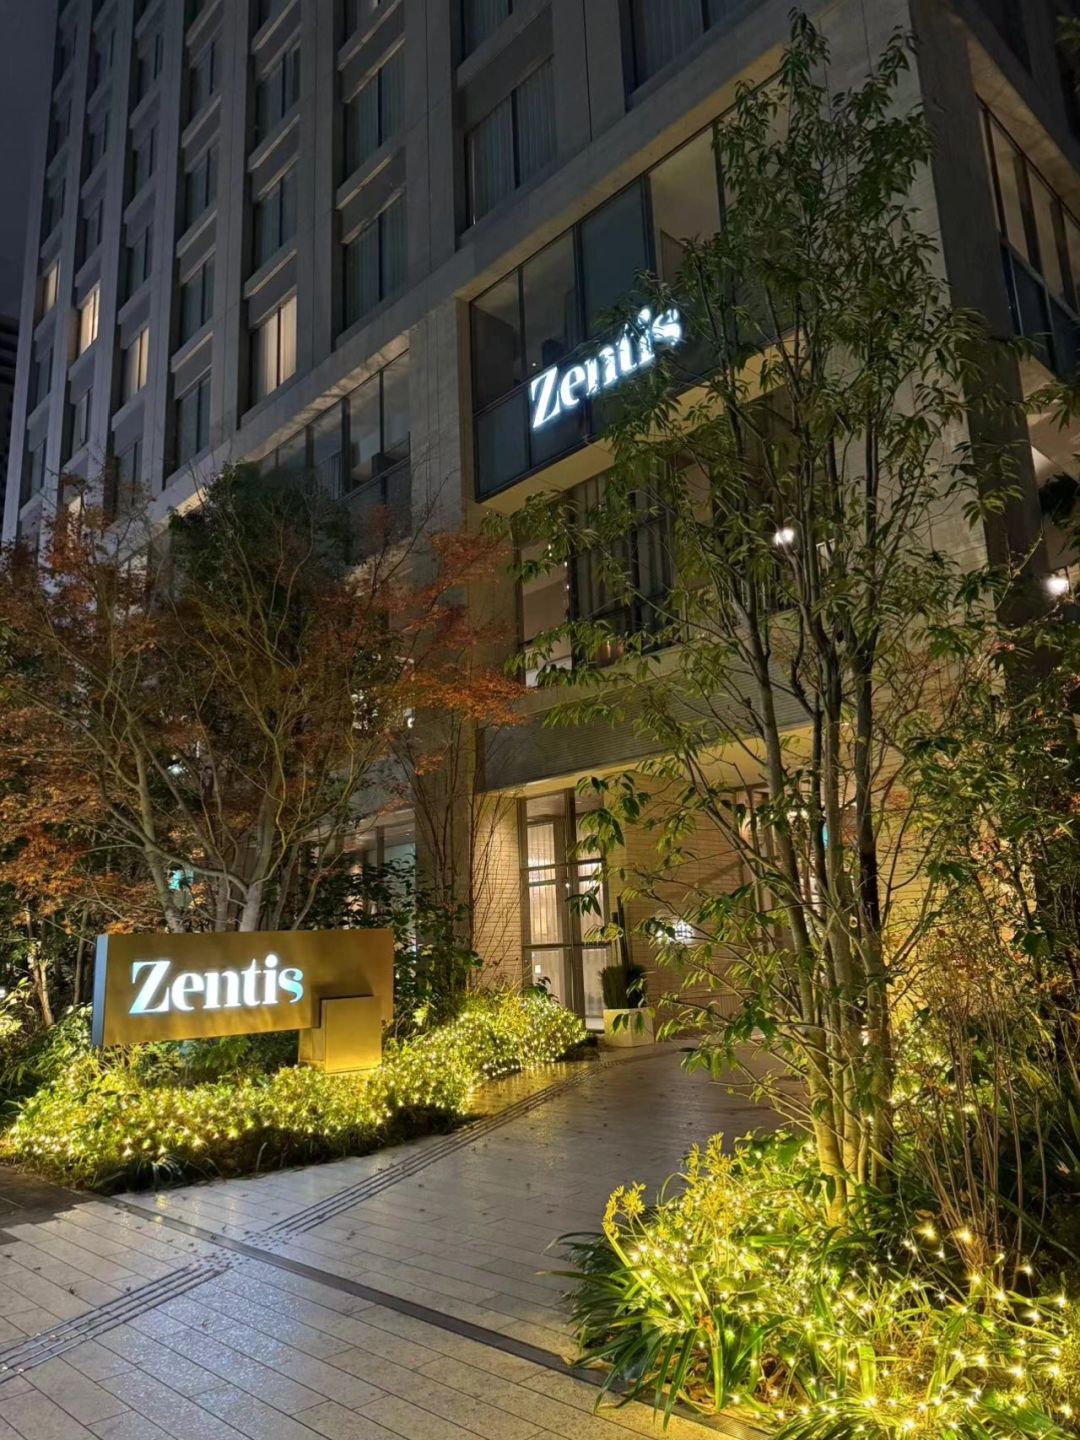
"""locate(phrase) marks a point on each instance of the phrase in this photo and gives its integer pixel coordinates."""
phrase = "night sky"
(26, 28)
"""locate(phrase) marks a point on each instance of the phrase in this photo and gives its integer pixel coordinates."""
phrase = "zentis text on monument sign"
(187, 987)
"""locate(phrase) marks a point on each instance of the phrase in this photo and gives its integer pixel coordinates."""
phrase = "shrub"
(623, 986)
(120, 1119)
(734, 1291)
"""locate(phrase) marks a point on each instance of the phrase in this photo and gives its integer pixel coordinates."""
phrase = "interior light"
(784, 536)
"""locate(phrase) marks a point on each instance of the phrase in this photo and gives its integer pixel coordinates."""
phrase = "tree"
(802, 459)
(221, 702)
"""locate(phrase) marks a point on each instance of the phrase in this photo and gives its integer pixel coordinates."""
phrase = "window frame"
(89, 320)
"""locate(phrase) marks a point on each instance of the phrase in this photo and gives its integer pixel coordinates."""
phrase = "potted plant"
(627, 1019)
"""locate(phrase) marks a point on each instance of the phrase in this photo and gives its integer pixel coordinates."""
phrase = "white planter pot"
(637, 1029)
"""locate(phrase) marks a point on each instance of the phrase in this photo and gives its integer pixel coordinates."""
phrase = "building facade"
(344, 236)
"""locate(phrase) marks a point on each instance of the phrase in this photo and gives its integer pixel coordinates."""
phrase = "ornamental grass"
(108, 1124)
(733, 1293)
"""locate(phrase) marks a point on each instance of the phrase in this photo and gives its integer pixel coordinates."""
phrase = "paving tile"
(178, 1416)
(36, 1417)
(415, 1422)
(337, 1423)
(74, 1392)
(251, 1417)
(129, 1426)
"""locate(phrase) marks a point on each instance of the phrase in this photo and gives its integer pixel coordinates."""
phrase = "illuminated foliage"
(736, 1292)
(105, 1124)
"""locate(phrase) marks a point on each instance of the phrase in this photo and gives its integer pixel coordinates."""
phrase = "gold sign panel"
(189, 987)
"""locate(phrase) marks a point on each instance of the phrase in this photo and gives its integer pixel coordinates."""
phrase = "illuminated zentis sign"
(158, 992)
(186, 987)
(562, 388)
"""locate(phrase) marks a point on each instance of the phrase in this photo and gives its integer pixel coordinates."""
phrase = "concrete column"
(230, 335)
(971, 252)
(606, 73)
(571, 64)
(319, 151)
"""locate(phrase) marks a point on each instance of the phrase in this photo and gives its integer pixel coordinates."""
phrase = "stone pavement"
(397, 1296)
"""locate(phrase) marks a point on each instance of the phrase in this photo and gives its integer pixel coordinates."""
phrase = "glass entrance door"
(556, 881)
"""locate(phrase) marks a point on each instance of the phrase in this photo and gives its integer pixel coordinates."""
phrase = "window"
(514, 143)
(128, 479)
(80, 420)
(544, 606)
(101, 56)
(88, 319)
(482, 18)
(662, 31)
(202, 78)
(193, 420)
(97, 140)
(375, 113)
(142, 159)
(148, 64)
(54, 203)
(65, 49)
(40, 378)
(200, 186)
(1041, 252)
(379, 422)
(1008, 19)
(59, 126)
(196, 300)
(50, 287)
(136, 362)
(274, 350)
(277, 92)
(33, 472)
(614, 251)
(375, 262)
(275, 218)
(91, 228)
(685, 196)
(356, 13)
(138, 261)
(540, 316)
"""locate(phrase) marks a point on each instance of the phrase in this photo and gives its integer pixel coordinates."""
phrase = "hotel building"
(340, 236)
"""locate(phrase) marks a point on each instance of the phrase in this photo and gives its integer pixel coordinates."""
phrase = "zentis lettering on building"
(562, 388)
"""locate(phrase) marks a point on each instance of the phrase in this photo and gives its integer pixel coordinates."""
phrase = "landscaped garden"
(155, 1114)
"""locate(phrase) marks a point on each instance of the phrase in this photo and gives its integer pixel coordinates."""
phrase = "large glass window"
(80, 420)
(89, 312)
(1041, 252)
(138, 261)
(50, 287)
(274, 350)
(513, 143)
(275, 218)
(481, 18)
(662, 31)
(193, 420)
(200, 185)
(54, 202)
(378, 413)
(202, 78)
(685, 197)
(277, 92)
(136, 363)
(196, 300)
(374, 114)
(562, 953)
(557, 311)
(33, 472)
(97, 141)
(614, 252)
(375, 262)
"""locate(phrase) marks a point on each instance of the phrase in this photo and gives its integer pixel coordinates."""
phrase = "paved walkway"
(398, 1296)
